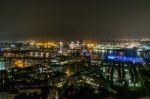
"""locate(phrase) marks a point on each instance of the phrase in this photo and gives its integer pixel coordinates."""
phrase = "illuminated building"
(126, 59)
(21, 63)
(72, 45)
(61, 48)
(2, 65)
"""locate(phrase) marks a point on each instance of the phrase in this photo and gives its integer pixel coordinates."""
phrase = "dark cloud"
(74, 19)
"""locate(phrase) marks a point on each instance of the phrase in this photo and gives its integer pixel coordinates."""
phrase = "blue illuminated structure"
(146, 47)
(126, 59)
(2, 65)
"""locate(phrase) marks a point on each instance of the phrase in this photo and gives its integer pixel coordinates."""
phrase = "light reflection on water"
(124, 52)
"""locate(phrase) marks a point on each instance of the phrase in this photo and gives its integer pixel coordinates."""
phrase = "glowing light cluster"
(68, 72)
(46, 44)
(21, 64)
(124, 58)
(90, 45)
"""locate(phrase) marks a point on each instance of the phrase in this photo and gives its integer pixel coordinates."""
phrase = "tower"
(61, 47)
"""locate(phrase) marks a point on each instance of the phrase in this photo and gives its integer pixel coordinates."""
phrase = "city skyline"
(74, 49)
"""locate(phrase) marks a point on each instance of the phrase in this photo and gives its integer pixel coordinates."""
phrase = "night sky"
(74, 19)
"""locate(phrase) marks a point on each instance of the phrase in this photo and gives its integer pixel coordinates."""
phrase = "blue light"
(1, 49)
(126, 59)
(2, 65)
(111, 57)
(146, 47)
